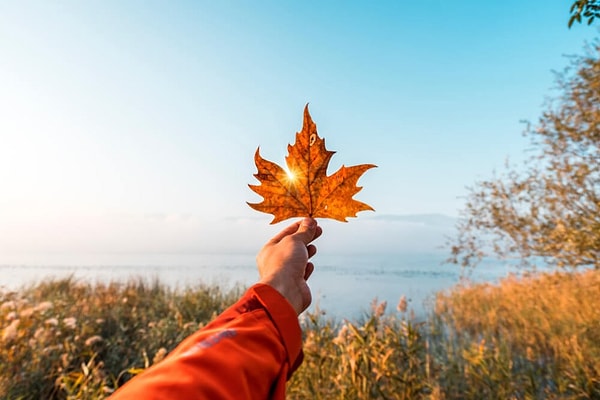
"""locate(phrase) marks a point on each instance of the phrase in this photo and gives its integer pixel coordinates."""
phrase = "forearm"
(247, 352)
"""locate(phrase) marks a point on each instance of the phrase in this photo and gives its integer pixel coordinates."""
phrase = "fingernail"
(308, 222)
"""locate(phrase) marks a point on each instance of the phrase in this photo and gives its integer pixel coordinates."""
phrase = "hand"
(283, 262)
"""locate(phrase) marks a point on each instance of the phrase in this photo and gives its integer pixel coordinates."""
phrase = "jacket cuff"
(285, 319)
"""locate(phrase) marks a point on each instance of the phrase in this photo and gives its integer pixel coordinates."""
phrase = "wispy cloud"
(187, 233)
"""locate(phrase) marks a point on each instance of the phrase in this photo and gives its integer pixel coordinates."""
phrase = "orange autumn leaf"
(305, 190)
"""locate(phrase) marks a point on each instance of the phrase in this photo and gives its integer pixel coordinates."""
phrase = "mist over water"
(380, 257)
(343, 286)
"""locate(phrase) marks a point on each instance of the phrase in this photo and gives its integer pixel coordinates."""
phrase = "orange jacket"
(247, 352)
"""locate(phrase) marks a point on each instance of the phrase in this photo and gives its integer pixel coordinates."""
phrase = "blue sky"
(130, 126)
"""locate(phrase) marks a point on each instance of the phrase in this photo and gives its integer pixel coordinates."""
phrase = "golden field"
(528, 338)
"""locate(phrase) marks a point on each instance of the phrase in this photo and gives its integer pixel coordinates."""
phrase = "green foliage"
(531, 338)
(549, 207)
(588, 9)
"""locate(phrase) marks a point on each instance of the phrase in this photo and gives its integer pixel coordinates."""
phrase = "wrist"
(291, 293)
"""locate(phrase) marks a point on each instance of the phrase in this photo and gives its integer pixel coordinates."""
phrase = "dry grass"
(70, 340)
(521, 339)
(538, 337)
(384, 356)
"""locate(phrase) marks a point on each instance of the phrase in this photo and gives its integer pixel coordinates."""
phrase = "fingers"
(310, 267)
(312, 250)
(309, 270)
(293, 228)
(307, 230)
(318, 232)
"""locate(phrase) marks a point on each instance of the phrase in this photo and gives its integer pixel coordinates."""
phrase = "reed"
(529, 338)
(65, 339)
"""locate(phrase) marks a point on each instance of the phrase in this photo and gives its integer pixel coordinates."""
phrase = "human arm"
(251, 349)
(283, 262)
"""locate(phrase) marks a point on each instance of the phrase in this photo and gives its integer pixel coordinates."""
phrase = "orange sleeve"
(247, 352)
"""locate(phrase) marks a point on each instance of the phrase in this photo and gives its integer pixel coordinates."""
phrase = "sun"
(291, 175)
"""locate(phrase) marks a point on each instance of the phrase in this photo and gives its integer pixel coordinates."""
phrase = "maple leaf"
(305, 190)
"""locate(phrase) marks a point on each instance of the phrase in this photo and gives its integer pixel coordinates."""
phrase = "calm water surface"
(343, 285)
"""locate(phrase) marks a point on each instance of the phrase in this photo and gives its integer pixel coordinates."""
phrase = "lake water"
(343, 285)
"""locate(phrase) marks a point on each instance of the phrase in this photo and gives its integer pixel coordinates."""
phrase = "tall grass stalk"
(530, 338)
(65, 339)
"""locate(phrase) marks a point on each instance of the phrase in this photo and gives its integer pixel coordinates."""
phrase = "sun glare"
(290, 175)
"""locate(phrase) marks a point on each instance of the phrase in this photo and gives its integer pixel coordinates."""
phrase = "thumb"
(306, 230)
